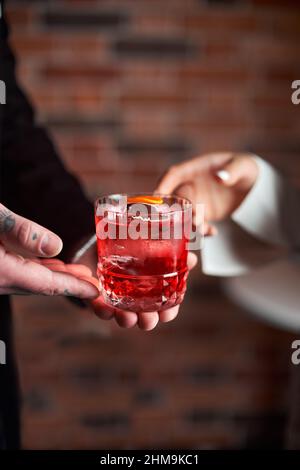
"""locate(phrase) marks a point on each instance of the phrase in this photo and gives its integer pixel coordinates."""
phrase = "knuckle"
(50, 288)
(239, 159)
(50, 291)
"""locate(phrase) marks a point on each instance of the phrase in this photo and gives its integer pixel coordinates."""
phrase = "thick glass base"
(143, 293)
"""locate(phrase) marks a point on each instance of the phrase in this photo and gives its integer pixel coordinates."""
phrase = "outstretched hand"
(21, 272)
(219, 180)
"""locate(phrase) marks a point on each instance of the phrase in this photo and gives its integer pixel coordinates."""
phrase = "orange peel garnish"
(145, 200)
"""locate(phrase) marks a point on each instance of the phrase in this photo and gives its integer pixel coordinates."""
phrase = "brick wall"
(126, 88)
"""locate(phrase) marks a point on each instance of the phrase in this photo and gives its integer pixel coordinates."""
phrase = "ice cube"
(120, 262)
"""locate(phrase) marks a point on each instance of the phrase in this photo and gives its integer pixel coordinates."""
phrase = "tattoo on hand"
(68, 293)
(34, 236)
(7, 221)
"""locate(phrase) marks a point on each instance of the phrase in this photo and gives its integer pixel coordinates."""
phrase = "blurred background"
(126, 88)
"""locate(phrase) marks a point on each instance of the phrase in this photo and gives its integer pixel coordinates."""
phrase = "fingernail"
(223, 175)
(51, 245)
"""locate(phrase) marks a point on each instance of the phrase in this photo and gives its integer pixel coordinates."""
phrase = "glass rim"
(186, 201)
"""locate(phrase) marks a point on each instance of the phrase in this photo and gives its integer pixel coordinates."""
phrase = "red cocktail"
(142, 250)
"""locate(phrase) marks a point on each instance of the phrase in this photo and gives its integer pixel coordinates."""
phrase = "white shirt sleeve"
(240, 244)
(259, 213)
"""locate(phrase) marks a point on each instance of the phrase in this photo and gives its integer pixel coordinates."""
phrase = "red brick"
(271, 50)
(218, 120)
(101, 73)
(168, 100)
(156, 23)
(142, 76)
(49, 103)
(220, 49)
(90, 152)
(222, 20)
(272, 98)
(20, 16)
(144, 122)
(238, 74)
(55, 45)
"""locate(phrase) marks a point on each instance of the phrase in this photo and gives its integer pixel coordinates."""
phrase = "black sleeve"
(34, 181)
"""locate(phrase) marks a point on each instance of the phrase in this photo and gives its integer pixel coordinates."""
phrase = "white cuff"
(259, 213)
(234, 252)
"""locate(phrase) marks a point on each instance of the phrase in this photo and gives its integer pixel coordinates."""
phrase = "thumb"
(26, 237)
(240, 172)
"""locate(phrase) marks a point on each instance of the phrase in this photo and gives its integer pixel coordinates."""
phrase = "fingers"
(78, 270)
(145, 320)
(123, 318)
(148, 320)
(126, 319)
(176, 176)
(27, 237)
(240, 172)
(192, 260)
(185, 172)
(169, 314)
(101, 309)
(207, 229)
(34, 278)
